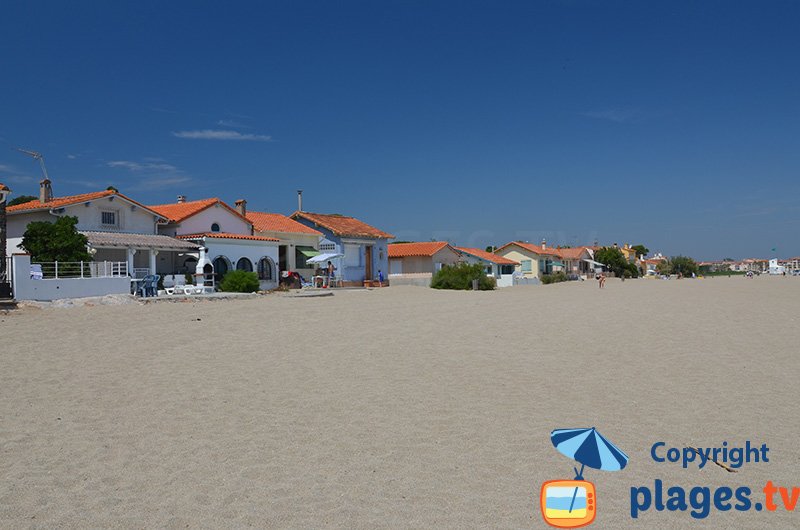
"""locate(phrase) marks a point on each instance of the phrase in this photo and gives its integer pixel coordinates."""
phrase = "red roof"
(178, 211)
(226, 235)
(60, 202)
(563, 253)
(341, 225)
(427, 249)
(487, 256)
(275, 222)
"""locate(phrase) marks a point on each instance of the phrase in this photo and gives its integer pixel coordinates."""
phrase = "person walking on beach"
(602, 280)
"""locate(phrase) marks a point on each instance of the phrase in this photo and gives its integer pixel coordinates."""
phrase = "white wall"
(26, 288)
(236, 249)
(201, 223)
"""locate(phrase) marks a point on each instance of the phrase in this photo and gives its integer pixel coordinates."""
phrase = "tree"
(58, 241)
(641, 250)
(22, 199)
(683, 265)
(613, 259)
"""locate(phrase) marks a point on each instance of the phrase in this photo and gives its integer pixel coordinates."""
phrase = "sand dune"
(402, 407)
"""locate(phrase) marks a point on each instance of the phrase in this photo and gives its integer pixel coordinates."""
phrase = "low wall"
(26, 288)
(420, 279)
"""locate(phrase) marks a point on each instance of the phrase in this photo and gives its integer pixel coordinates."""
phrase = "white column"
(131, 252)
(153, 254)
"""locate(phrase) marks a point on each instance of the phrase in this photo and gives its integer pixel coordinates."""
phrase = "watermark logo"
(573, 503)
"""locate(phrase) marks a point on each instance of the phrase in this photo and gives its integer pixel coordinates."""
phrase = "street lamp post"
(5, 286)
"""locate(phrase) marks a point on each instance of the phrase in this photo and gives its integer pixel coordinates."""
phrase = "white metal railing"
(140, 272)
(80, 269)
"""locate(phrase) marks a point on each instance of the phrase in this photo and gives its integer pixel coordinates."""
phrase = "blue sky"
(673, 124)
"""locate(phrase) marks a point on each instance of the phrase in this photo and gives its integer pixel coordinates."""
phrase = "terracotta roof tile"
(69, 200)
(275, 222)
(226, 235)
(536, 249)
(487, 256)
(179, 211)
(427, 248)
(341, 225)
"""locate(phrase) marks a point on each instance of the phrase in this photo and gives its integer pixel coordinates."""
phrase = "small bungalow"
(226, 236)
(357, 250)
(495, 265)
(421, 258)
(534, 260)
(297, 242)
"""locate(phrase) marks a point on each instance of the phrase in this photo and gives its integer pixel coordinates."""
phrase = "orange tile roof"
(571, 253)
(179, 211)
(536, 249)
(226, 235)
(427, 248)
(341, 225)
(487, 256)
(69, 200)
(275, 222)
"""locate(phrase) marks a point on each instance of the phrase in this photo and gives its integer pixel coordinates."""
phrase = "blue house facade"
(357, 250)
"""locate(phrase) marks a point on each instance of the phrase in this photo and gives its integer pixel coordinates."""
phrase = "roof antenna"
(36, 156)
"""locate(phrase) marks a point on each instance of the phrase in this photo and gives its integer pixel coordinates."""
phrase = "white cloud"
(143, 166)
(72, 157)
(219, 134)
(233, 124)
(6, 168)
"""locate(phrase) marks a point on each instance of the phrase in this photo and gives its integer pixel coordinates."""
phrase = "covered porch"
(145, 254)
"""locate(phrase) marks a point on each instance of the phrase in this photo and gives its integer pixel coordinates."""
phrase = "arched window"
(221, 268)
(244, 264)
(265, 269)
(215, 227)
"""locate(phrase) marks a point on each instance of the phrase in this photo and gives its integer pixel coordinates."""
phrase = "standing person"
(330, 272)
(380, 278)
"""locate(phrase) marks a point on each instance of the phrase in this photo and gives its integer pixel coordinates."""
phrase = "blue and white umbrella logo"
(588, 447)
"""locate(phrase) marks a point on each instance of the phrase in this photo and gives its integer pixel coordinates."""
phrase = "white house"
(495, 265)
(775, 268)
(118, 229)
(225, 233)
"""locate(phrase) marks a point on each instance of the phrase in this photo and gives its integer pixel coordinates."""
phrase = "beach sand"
(392, 408)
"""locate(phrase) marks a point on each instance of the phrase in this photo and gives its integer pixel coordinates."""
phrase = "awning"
(556, 264)
(308, 252)
(139, 241)
(323, 258)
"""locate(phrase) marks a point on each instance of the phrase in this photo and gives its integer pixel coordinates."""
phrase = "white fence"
(79, 269)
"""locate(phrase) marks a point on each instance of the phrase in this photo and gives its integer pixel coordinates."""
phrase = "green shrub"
(556, 277)
(239, 282)
(460, 277)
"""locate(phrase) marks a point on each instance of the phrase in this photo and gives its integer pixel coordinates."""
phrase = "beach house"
(534, 260)
(118, 228)
(226, 237)
(494, 264)
(357, 250)
(296, 242)
(415, 263)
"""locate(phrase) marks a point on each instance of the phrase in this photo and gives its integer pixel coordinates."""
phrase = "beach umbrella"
(588, 447)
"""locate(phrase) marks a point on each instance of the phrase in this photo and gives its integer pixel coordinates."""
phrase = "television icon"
(568, 503)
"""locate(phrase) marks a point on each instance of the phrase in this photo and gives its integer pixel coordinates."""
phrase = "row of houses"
(756, 265)
(207, 237)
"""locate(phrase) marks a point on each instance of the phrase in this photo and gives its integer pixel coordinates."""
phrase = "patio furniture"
(148, 286)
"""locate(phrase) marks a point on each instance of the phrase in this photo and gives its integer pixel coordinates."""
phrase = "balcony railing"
(79, 269)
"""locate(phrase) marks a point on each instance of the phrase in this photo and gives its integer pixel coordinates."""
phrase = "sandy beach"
(392, 408)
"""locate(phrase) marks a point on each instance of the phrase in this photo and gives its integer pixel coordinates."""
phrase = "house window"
(327, 246)
(215, 227)
(244, 264)
(526, 265)
(108, 218)
(265, 268)
(352, 255)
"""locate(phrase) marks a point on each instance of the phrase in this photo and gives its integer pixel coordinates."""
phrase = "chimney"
(544, 244)
(45, 191)
(181, 198)
(299, 200)
(241, 207)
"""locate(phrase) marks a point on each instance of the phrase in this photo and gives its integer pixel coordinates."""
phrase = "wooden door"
(368, 262)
